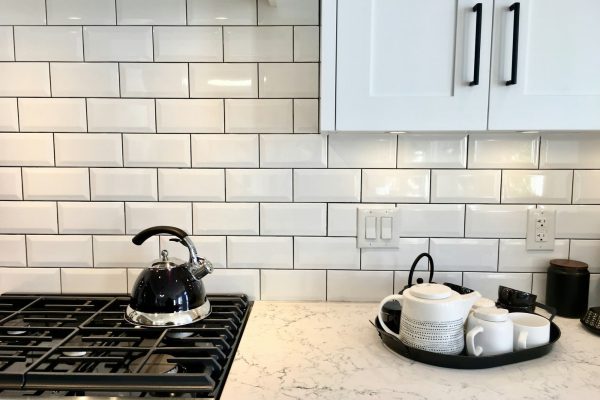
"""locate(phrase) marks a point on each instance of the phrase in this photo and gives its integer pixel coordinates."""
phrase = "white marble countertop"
(331, 351)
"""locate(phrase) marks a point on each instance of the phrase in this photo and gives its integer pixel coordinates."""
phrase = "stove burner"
(77, 342)
(156, 364)
(179, 335)
(17, 322)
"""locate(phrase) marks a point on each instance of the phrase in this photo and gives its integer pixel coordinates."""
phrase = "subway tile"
(90, 217)
(121, 115)
(306, 43)
(156, 150)
(260, 252)
(295, 285)
(132, 275)
(585, 187)
(118, 43)
(341, 218)
(190, 116)
(258, 116)
(394, 259)
(246, 281)
(154, 79)
(359, 285)
(496, 221)
(331, 185)
(570, 150)
(258, 44)
(9, 115)
(12, 251)
(538, 286)
(503, 150)
(120, 252)
(88, 150)
(284, 80)
(306, 116)
(259, 185)
(56, 184)
(594, 297)
(326, 253)
(236, 151)
(30, 280)
(11, 187)
(191, 185)
(85, 79)
(401, 278)
(464, 254)
(431, 220)
(536, 186)
(48, 43)
(293, 151)
(294, 219)
(226, 219)
(487, 284)
(221, 12)
(396, 186)
(133, 184)
(26, 149)
(81, 12)
(94, 281)
(7, 47)
(577, 221)
(370, 150)
(469, 186)
(24, 79)
(28, 217)
(58, 115)
(190, 43)
(514, 256)
(59, 251)
(212, 248)
(151, 12)
(23, 12)
(432, 150)
(139, 216)
(288, 12)
(227, 80)
(587, 251)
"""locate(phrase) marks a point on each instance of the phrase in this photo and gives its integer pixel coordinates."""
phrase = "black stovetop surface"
(80, 345)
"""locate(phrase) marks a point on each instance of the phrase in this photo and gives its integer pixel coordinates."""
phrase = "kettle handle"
(156, 230)
(414, 266)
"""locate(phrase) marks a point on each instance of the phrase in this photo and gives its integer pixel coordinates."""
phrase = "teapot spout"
(200, 268)
(468, 300)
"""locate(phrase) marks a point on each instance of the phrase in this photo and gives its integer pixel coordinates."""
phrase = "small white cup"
(530, 330)
(489, 332)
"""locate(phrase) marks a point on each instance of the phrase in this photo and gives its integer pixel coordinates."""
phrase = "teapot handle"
(414, 266)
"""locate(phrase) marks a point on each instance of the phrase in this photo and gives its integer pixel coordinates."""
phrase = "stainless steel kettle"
(170, 292)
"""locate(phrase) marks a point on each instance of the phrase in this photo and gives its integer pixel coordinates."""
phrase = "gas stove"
(82, 346)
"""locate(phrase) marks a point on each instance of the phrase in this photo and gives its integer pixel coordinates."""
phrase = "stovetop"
(82, 346)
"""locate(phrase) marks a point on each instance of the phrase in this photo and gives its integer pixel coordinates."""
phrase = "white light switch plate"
(541, 229)
(374, 237)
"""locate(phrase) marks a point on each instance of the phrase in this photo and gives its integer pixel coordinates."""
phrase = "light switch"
(371, 228)
(378, 228)
(386, 228)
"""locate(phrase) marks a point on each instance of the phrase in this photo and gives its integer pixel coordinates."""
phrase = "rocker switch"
(386, 228)
(371, 228)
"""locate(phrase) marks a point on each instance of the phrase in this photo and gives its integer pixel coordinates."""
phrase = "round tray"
(464, 361)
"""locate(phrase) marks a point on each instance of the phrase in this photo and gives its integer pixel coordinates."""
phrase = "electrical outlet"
(541, 229)
(378, 228)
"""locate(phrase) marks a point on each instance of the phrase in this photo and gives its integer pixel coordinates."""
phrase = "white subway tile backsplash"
(7, 47)
(577, 221)
(236, 151)
(191, 185)
(309, 285)
(401, 278)
(293, 151)
(85, 79)
(121, 115)
(594, 297)
(587, 251)
(536, 186)
(59, 251)
(432, 150)
(538, 286)
(259, 185)
(24, 79)
(26, 149)
(468, 186)
(9, 117)
(258, 44)
(90, 217)
(258, 116)
(81, 12)
(189, 116)
(503, 150)
(425, 220)
(88, 150)
(260, 252)
(464, 254)
(514, 256)
(123, 184)
(154, 79)
(496, 221)
(12, 251)
(585, 187)
(342, 217)
(195, 44)
(570, 150)
(221, 12)
(139, 216)
(394, 259)
(306, 116)
(30, 280)
(284, 80)
(362, 151)
(94, 281)
(56, 184)
(156, 150)
(28, 217)
(11, 187)
(120, 252)
(151, 12)
(306, 43)
(359, 285)
(294, 219)
(245, 281)
(395, 186)
(326, 253)
(223, 80)
(331, 185)
(58, 115)
(226, 219)
(288, 12)
(212, 248)
(23, 12)
(48, 43)
(118, 43)
(487, 284)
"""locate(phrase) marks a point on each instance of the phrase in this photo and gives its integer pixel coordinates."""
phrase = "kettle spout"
(200, 268)
(467, 301)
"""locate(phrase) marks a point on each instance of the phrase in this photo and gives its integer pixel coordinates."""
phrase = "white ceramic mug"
(530, 330)
(489, 332)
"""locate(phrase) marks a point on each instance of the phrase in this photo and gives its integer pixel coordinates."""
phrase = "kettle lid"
(165, 262)
(431, 291)
(491, 314)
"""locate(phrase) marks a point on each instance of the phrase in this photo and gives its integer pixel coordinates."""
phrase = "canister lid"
(568, 264)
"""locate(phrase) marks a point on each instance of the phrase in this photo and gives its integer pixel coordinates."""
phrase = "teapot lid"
(431, 291)
(165, 262)
(491, 314)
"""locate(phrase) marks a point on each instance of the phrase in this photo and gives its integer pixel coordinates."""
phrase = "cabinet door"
(408, 65)
(557, 65)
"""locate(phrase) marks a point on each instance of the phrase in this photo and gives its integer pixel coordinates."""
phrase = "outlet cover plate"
(541, 229)
(378, 242)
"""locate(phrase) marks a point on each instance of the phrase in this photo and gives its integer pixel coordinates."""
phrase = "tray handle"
(551, 310)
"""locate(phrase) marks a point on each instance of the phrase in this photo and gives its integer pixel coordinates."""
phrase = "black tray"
(464, 361)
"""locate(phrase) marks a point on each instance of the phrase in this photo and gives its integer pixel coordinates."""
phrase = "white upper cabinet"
(398, 65)
(555, 64)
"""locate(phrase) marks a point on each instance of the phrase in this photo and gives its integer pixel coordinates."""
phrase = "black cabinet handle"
(516, 7)
(478, 8)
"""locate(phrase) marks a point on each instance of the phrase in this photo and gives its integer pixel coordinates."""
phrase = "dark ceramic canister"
(568, 287)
